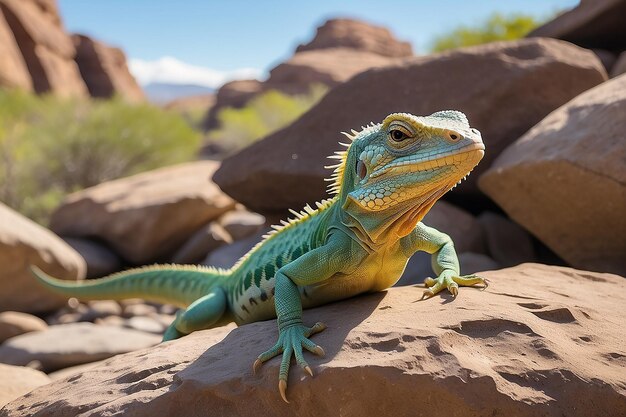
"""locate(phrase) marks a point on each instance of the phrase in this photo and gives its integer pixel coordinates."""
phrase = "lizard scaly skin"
(358, 241)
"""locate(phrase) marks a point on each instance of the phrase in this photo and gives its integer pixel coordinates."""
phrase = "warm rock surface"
(147, 216)
(104, 70)
(620, 65)
(24, 243)
(341, 49)
(565, 182)
(592, 24)
(73, 344)
(16, 381)
(357, 35)
(206, 239)
(241, 223)
(13, 71)
(286, 169)
(461, 226)
(507, 242)
(15, 323)
(45, 47)
(226, 256)
(100, 259)
(539, 341)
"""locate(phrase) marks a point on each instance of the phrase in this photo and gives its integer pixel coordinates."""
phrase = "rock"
(564, 180)
(359, 36)
(241, 223)
(472, 263)
(13, 71)
(508, 243)
(99, 258)
(145, 324)
(620, 65)
(72, 370)
(341, 49)
(286, 169)
(16, 381)
(105, 71)
(15, 323)
(139, 309)
(227, 255)
(101, 308)
(461, 226)
(73, 344)
(607, 58)
(208, 238)
(592, 24)
(145, 217)
(24, 243)
(539, 341)
(46, 49)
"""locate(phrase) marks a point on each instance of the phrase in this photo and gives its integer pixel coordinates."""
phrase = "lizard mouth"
(471, 154)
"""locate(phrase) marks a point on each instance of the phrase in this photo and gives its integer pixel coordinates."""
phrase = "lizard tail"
(173, 284)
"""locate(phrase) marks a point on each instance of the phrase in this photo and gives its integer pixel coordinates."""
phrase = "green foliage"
(51, 146)
(263, 115)
(496, 28)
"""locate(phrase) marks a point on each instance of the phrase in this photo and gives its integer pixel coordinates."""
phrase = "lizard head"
(393, 172)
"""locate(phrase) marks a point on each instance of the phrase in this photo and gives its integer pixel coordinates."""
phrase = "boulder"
(206, 239)
(359, 36)
(472, 263)
(592, 24)
(13, 70)
(227, 255)
(73, 344)
(539, 341)
(46, 49)
(15, 323)
(620, 65)
(507, 242)
(564, 180)
(286, 169)
(24, 243)
(105, 71)
(16, 381)
(340, 49)
(241, 223)
(461, 226)
(99, 258)
(145, 217)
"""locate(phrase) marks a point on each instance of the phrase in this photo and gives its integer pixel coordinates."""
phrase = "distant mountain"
(161, 93)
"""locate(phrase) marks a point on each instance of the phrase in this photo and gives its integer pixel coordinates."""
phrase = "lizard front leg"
(444, 260)
(339, 254)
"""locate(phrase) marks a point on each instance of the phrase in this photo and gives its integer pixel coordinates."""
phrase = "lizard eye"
(397, 135)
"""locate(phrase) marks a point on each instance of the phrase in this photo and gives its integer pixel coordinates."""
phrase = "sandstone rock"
(15, 323)
(565, 182)
(241, 223)
(286, 169)
(472, 263)
(100, 259)
(101, 308)
(16, 381)
(508, 243)
(232, 94)
(13, 71)
(72, 370)
(208, 238)
(104, 70)
(72, 344)
(46, 49)
(145, 217)
(592, 24)
(461, 226)
(539, 341)
(146, 324)
(359, 36)
(226, 256)
(24, 243)
(139, 309)
(620, 65)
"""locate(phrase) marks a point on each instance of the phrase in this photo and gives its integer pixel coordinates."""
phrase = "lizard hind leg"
(201, 314)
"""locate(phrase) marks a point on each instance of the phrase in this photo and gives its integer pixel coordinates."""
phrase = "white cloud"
(170, 70)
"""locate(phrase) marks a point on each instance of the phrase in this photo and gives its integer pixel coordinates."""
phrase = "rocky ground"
(541, 340)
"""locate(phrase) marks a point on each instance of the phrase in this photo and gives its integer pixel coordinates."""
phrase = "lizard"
(357, 241)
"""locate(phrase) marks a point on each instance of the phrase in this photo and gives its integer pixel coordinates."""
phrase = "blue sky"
(219, 40)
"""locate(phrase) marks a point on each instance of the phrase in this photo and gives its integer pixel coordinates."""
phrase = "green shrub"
(263, 115)
(496, 28)
(51, 146)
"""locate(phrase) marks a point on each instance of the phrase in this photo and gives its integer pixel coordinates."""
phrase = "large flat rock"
(286, 169)
(145, 217)
(565, 180)
(24, 243)
(539, 341)
(16, 381)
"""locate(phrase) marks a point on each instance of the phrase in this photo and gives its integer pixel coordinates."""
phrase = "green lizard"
(359, 241)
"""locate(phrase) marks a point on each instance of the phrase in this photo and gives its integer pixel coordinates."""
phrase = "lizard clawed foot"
(291, 340)
(451, 282)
